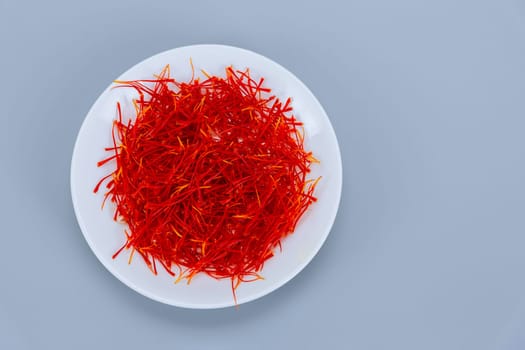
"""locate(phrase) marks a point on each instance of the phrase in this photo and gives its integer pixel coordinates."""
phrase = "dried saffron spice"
(210, 175)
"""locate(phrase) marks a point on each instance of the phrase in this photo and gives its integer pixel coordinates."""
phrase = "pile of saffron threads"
(210, 175)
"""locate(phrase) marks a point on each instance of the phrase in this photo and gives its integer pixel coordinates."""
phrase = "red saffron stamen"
(209, 175)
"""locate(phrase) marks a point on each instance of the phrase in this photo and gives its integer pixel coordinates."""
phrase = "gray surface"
(428, 102)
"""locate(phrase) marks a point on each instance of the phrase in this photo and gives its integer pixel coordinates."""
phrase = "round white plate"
(105, 236)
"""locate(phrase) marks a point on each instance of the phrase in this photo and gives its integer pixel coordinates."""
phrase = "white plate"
(105, 236)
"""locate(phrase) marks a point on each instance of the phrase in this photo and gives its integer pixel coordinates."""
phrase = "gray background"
(427, 99)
